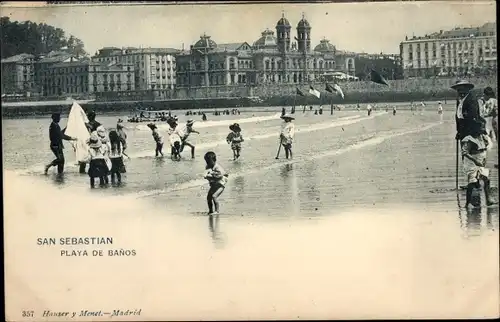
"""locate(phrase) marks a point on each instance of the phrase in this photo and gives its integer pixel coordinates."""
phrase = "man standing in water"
(467, 109)
(56, 145)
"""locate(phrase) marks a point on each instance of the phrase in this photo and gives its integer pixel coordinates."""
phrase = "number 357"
(28, 314)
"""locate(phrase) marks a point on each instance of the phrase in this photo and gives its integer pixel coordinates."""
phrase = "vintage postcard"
(250, 161)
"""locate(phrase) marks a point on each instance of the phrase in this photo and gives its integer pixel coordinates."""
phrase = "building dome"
(283, 21)
(205, 43)
(266, 40)
(303, 23)
(325, 46)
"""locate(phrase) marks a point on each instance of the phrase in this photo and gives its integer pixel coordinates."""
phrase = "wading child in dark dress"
(116, 157)
(98, 167)
(158, 139)
(120, 129)
(287, 134)
(217, 179)
(235, 138)
(474, 152)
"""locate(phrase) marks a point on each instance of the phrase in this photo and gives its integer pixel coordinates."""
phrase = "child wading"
(184, 134)
(287, 134)
(98, 167)
(116, 157)
(106, 146)
(474, 152)
(175, 140)
(217, 179)
(235, 138)
(158, 139)
(120, 129)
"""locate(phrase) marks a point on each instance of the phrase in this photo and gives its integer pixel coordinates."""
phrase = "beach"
(364, 222)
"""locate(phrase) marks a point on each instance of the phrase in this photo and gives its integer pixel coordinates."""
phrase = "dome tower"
(283, 28)
(304, 35)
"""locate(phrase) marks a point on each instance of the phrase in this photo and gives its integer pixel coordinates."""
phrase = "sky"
(360, 27)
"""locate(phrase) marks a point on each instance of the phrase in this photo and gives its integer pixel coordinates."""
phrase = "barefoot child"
(98, 167)
(116, 157)
(287, 134)
(217, 179)
(175, 140)
(106, 146)
(120, 129)
(235, 138)
(474, 152)
(158, 139)
(184, 134)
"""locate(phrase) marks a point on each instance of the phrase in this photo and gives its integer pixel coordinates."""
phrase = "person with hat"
(287, 134)
(92, 126)
(467, 111)
(184, 135)
(158, 139)
(98, 167)
(474, 153)
(122, 135)
(491, 108)
(175, 140)
(235, 138)
(56, 136)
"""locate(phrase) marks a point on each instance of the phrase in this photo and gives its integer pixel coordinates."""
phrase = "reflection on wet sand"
(217, 237)
(475, 221)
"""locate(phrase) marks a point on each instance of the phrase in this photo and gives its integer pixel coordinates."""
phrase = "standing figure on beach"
(474, 152)
(235, 138)
(440, 108)
(184, 134)
(116, 157)
(120, 129)
(175, 140)
(394, 110)
(283, 111)
(56, 136)
(369, 109)
(158, 139)
(106, 147)
(92, 126)
(492, 107)
(217, 179)
(467, 112)
(287, 134)
(98, 167)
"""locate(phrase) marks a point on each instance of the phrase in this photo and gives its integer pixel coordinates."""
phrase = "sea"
(363, 222)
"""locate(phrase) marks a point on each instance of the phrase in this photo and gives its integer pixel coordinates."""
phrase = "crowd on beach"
(476, 120)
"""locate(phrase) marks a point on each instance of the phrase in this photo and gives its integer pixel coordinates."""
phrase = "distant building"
(454, 52)
(18, 74)
(389, 65)
(271, 59)
(85, 77)
(154, 68)
(44, 62)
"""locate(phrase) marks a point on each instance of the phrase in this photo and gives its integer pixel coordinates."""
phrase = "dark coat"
(471, 114)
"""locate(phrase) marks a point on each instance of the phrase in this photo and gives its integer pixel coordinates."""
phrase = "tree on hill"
(36, 39)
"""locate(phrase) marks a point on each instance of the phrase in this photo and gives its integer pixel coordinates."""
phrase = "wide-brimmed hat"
(489, 91)
(190, 122)
(94, 141)
(235, 127)
(152, 126)
(463, 84)
(287, 116)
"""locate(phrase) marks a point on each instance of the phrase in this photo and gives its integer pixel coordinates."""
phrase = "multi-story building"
(454, 52)
(85, 77)
(18, 74)
(44, 62)
(271, 59)
(154, 67)
(389, 65)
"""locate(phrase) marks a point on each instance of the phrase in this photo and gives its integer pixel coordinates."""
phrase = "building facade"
(456, 52)
(271, 59)
(154, 68)
(18, 74)
(85, 77)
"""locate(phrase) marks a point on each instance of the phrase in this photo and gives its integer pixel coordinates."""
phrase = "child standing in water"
(158, 139)
(98, 167)
(116, 157)
(217, 179)
(474, 152)
(175, 140)
(184, 134)
(120, 129)
(287, 134)
(106, 147)
(235, 138)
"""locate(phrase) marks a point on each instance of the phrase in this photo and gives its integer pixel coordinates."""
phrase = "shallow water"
(365, 213)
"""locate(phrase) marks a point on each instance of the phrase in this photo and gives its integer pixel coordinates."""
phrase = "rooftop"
(17, 58)
(459, 32)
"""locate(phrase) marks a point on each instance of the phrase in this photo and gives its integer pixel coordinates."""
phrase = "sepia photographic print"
(250, 160)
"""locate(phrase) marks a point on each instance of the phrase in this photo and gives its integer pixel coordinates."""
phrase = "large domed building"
(272, 58)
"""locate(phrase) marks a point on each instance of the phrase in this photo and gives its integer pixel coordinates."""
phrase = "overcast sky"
(360, 27)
